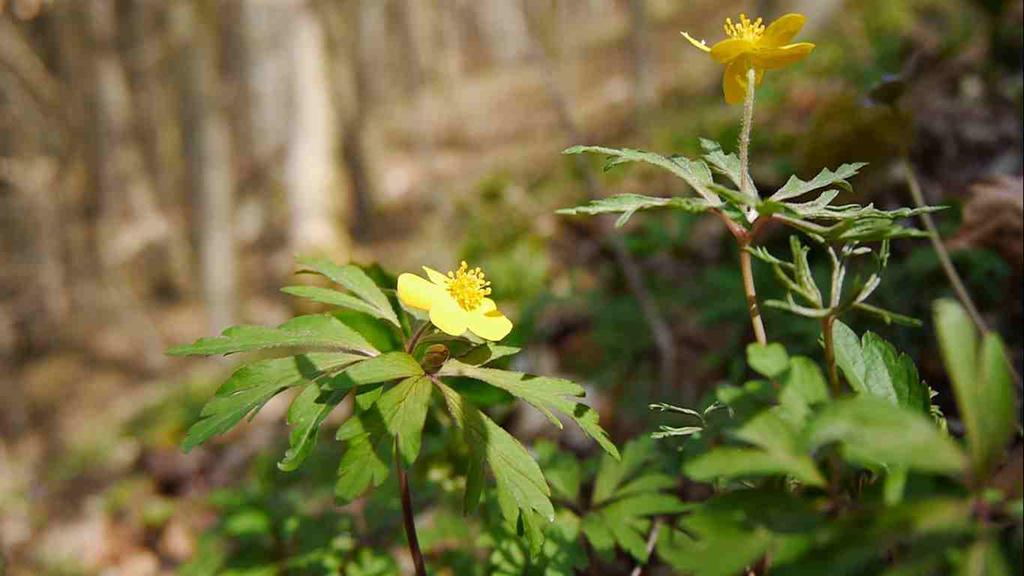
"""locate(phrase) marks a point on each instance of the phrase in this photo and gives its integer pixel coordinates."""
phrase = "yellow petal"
(782, 30)
(416, 292)
(699, 44)
(489, 325)
(436, 277)
(734, 82)
(771, 58)
(731, 48)
(448, 316)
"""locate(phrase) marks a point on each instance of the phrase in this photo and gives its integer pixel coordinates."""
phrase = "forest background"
(162, 162)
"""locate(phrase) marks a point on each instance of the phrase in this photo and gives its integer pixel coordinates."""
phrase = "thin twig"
(660, 330)
(947, 263)
(411, 344)
(407, 515)
(652, 539)
(750, 290)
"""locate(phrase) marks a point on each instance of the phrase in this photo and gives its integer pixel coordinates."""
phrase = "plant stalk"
(411, 344)
(753, 309)
(407, 516)
(830, 354)
(744, 240)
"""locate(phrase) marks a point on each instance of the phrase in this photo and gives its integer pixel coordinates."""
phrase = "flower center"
(746, 29)
(468, 287)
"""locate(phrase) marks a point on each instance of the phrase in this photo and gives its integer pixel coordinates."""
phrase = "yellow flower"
(456, 302)
(751, 45)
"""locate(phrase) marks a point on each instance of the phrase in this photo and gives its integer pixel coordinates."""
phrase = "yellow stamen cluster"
(746, 29)
(468, 287)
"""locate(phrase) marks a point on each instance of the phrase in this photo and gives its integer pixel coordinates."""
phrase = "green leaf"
(355, 281)
(727, 463)
(334, 298)
(726, 164)
(561, 469)
(487, 353)
(305, 415)
(984, 558)
(783, 453)
(314, 331)
(384, 368)
(624, 499)
(981, 382)
(396, 416)
(366, 457)
(873, 366)
(803, 385)
(629, 204)
(694, 173)
(769, 360)
(543, 393)
(796, 187)
(517, 475)
(252, 385)
(713, 543)
(404, 411)
(875, 431)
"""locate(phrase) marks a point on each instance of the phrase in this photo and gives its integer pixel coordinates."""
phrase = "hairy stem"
(744, 239)
(748, 121)
(830, 354)
(407, 516)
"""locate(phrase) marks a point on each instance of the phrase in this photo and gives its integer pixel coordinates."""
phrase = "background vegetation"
(161, 163)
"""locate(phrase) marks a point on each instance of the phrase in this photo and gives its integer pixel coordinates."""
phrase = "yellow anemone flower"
(751, 45)
(456, 302)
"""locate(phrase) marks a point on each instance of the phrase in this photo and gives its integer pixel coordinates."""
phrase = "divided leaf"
(313, 331)
(305, 415)
(625, 498)
(795, 187)
(252, 385)
(518, 477)
(355, 281)
(694, 173)
(543, 393)
(334, 298)
(629, 204)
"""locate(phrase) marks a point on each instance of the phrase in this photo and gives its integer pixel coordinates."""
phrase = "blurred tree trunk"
(208, 149)
(643, 89)
(128, 219)
(316, 194)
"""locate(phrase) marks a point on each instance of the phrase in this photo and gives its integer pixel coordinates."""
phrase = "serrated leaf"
(694, 173)
(395, 416)
(803, 385)
(873, 366)
(335, 298)
(726, 164)
(518, 477)
(629, 204)
(305, 415)
(366, 457)
(252, 385)
(355, 281)
(313, 331)
(796, 187)
(543, 393)
(728, 463)
(384, 368)
(713, 543)
(613, 471)
(404, 411)
(875, 431)
(981, 382)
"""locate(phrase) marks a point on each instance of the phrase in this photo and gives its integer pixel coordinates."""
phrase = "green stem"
(830, 354)
(411, 344)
